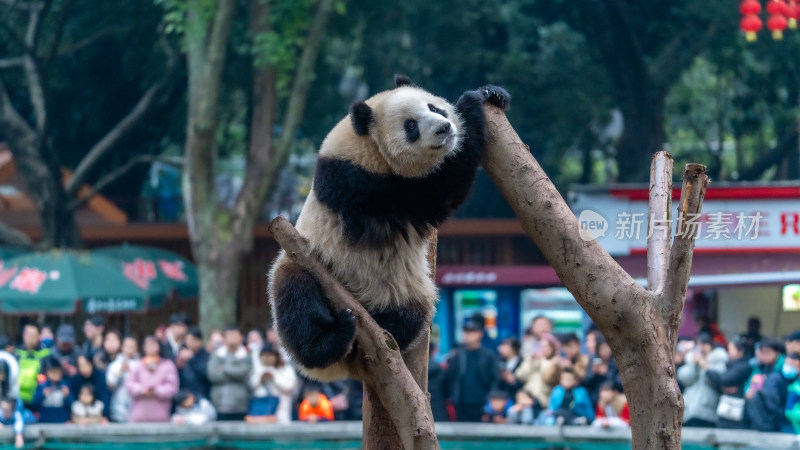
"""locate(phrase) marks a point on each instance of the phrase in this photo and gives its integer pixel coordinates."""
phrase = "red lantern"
(750, 7)
(792, 13)
(777, 21)
(750, 24)
(777, 24)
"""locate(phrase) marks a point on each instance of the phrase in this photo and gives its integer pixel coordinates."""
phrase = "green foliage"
(280, 46)
(735, 104)
(174, 15)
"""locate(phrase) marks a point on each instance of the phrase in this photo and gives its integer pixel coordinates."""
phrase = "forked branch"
(687, 228)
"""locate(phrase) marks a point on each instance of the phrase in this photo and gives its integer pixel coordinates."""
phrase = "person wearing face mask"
(766, 410)
(48, 338)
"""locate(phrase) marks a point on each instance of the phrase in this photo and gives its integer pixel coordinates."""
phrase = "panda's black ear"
(401, 80)
(361, 117)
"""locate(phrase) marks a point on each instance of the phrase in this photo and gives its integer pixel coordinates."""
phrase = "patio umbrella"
(148, 265)
(7, 252)
(55, 281)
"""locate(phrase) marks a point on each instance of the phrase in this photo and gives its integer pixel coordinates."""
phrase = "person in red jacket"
(315, 406)
(612, 407)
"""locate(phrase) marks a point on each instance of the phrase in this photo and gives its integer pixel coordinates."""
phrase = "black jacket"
(766, 411)
(194, 375)
(480, 376)
(98, 382)
(735, 377)
(437, 389)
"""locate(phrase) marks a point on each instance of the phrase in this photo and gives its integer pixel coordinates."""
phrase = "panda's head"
(413, 129)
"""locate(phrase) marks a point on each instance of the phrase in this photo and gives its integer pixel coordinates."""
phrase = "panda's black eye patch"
(412, 130)
(437, 110)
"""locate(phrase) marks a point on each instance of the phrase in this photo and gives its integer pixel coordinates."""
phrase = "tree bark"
(218, 273)
(639, 324)
(221, 235)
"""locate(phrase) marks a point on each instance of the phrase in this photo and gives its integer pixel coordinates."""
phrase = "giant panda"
(401, 162)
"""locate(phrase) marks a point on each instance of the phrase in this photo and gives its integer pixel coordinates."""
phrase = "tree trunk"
(43, 181)
(218, 272)
(639, 325)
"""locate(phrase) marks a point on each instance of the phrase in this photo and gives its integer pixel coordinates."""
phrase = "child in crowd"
(522, 411)
(315, 406)
(53, 397)
(14, 415)
(496, 408)
(612, 407)
(569, 403)
(87, 410)
(190, 410)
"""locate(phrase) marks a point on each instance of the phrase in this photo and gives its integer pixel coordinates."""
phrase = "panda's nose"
(444, 129)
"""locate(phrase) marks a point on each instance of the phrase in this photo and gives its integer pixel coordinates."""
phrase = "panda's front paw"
(496, 96)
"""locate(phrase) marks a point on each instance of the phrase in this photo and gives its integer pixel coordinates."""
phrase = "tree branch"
(659, 230)
(33, 72)
(206, 49)
(123, 127)
(114, 175)
(107, 31)
(378, 362)
(12, 236)
(120, 130)
(629, 316)
(786, 145)
(5, 63)
(23, 6)
(264, 166)
(553, 227)
(693, 192)
(14, 127)
(58, 31)
(680, 53)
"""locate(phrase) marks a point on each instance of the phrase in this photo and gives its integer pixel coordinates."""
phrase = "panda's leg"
(404, 323)
(308, 329)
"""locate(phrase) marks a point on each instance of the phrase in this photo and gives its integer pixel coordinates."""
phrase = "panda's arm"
(374, 208)
(449, 186)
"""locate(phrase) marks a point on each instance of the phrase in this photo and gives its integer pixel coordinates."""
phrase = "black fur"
(404, 324)
(309, 330)
(361, 117)
(437, 111)
(412, 130)
(401, 80)
(377, 209)
(496, 96)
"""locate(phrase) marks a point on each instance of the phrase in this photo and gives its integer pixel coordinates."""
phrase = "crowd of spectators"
(175, 375)
(178, 375)
(749, 382)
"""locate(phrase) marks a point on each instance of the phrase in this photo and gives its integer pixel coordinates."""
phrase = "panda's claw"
(496, 96)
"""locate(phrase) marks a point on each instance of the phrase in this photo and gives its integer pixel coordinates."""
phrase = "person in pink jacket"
(152, 383)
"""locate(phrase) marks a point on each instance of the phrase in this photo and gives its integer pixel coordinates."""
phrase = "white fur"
(399, 272)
